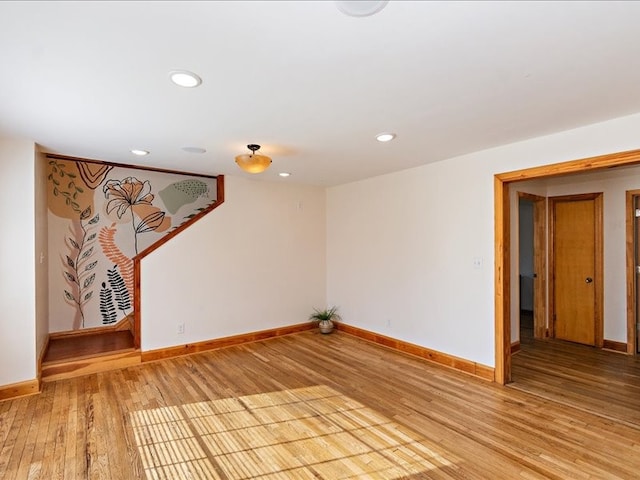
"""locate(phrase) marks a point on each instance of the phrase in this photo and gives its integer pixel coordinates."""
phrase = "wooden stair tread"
(81, 358)
(78, 346)
(83, 354)
(90, 364)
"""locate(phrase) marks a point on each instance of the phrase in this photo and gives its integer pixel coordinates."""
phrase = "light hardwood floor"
(305, 406)
(592, 379)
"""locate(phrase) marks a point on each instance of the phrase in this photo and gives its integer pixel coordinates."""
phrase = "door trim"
(599, 263)
(539, 262)
(502, 246)
(631, 272)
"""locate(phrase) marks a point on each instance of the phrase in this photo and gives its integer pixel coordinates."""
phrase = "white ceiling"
(310, 84)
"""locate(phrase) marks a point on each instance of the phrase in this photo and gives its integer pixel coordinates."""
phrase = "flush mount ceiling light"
(360, 8)
(253, 162)
(284, 174)
(140, 153)
(184, 78)
(385, 137)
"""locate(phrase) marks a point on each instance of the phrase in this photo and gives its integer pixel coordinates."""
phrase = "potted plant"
(325, 318)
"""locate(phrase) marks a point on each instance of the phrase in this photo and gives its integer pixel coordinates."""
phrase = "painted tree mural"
(100, 217)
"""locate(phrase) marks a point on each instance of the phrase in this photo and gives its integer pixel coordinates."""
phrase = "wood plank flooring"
(598, 381)
(305, 406)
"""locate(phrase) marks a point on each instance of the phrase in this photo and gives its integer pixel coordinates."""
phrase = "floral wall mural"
(100, 217)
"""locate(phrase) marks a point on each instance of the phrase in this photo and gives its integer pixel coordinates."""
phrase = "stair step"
(75, 367)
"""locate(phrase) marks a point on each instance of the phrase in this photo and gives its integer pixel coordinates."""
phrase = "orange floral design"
(126, 194)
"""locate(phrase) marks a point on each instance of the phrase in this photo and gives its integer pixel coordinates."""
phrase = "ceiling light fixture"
(360, 8)
(140, 153)
(284, 174)
(253, 162)
(184, 78)
(385, 137)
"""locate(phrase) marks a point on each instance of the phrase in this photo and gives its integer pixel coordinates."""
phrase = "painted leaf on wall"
(151, 222)
(89, 281)
(113, 253)
(107, 309)
(91, 266)
(86, 213)
(119, 288)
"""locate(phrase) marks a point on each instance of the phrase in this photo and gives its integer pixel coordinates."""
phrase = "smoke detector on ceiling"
(360, 8)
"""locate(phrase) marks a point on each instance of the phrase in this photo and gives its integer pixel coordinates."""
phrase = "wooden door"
(576, 271)
(539, 263)
(636, 238)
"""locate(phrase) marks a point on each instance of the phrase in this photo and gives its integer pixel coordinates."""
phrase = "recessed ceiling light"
(385, 137)
(184, 78)
(360, 8)
(194, 150)
(140, 153)
(284, 174)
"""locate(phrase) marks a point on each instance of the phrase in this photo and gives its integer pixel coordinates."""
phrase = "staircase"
(76, 353)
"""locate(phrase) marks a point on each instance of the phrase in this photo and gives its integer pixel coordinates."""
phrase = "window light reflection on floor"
(312, 432)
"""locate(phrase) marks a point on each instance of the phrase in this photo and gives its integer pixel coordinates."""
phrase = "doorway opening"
(532, 247)
(526, 268)
(503, 260)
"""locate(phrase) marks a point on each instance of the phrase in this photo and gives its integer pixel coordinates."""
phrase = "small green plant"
(324, 315)
(325, 318)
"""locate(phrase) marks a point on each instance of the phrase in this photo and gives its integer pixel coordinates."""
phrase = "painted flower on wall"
(126, 194)
(135, 196)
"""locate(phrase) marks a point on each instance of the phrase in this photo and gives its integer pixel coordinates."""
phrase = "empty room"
(319, 240)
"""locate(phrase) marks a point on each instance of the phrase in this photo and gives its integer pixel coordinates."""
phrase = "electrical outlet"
(181, 328)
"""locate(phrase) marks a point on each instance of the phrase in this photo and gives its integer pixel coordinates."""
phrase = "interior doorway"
(532, 220)
(526, 269)
(502, 225)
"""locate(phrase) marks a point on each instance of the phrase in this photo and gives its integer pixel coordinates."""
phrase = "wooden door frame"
(598, 265)
(631, 272)
(502, 221)
(539, 262)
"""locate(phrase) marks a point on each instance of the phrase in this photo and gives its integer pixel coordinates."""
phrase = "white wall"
(17, 262)
(401, 247)
(257, 262)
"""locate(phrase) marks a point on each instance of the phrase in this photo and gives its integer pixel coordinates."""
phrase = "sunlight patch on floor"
(305, 433)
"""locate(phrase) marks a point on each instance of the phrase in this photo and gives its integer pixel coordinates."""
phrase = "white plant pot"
(326, 326)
